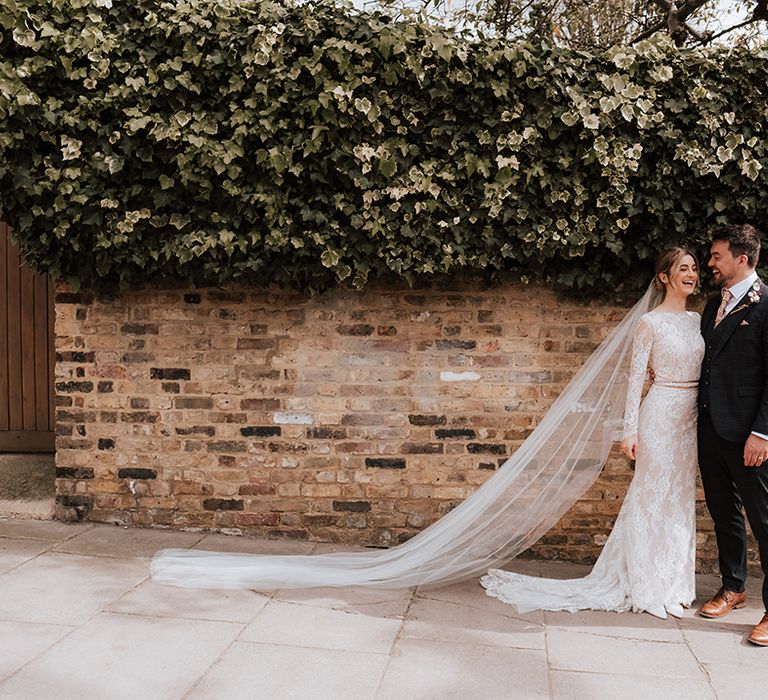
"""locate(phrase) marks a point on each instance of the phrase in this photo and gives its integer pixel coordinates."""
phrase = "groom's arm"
(760, 424)
(756, 447)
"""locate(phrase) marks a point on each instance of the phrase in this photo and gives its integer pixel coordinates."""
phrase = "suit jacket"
(734, 374)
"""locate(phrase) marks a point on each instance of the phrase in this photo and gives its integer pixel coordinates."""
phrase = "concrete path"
(79, 618)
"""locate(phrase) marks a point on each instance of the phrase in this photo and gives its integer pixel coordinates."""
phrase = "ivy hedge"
(309, 145)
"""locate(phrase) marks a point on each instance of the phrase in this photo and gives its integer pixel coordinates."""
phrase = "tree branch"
(649, 32)
(679, 29)
(730, 29)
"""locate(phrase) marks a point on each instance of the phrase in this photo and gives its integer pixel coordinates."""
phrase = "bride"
(648, 561)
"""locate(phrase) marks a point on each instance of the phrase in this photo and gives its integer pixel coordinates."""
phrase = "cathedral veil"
(529, 493)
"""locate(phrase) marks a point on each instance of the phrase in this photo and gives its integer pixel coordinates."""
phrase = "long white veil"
(529, 493)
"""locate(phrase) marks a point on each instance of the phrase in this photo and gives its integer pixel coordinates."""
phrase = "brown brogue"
(759, 635)
(722, 603)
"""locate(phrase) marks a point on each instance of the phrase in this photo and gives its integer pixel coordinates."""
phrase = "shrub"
(309, 145)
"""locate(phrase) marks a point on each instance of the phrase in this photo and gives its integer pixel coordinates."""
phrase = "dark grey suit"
(733, 402)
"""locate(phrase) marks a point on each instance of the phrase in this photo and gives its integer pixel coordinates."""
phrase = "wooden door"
(26, 354)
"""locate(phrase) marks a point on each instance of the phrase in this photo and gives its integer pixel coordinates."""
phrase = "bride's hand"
(629, 447)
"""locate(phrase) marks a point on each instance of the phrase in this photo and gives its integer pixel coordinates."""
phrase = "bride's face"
(683, 279)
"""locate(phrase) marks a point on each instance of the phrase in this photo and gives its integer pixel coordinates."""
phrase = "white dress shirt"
(737, 291)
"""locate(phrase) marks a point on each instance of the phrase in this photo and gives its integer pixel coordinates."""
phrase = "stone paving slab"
(15, 552)
(434, 670)
(573, 685)
(80, 617)
(155, 600)
(276, 672)
(124, 656)
(126, 542)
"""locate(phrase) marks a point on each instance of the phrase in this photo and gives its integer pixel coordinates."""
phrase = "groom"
(733, 415)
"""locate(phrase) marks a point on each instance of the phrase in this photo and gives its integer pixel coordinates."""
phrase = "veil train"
(529, 493)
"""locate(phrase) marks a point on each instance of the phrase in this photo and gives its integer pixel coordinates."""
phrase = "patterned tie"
(721, 311)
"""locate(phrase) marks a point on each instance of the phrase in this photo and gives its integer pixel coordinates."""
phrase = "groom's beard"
(720, 281)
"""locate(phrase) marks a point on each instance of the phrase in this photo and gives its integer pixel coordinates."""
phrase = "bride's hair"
(667, 264)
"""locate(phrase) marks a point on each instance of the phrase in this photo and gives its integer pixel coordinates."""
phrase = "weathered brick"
(199, 402)
(259, 404)
(257, 490)
(363, 419)
(261, 431)
(140, 328)
(459, 433)
(74, 387)
(223, 504)
(137, 473)
(385, 462)
(287, 447)
(106, 444)
(355, 329)
(63, 416)
(314, 520)
(422, 448)
(137, 358)
(486, 448)
(169, 373)
(71, 507)
(76, 356)
(255, 343)
(326, 433)
(208, 430)
(139, 417)
(226, 446)
(224, 417)
(63, 443)
(256, 519)
(74, 473)
(352, 506)
(455, 344)
(221, 296)
(414, 419)
(73, 297)
(105, 387)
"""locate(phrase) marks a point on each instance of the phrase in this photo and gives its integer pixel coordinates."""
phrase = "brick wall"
(353, 417)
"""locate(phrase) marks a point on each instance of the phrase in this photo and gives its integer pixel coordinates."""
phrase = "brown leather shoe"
(722, 603)
(759, 635)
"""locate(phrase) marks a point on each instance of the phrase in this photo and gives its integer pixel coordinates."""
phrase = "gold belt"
(676, 385)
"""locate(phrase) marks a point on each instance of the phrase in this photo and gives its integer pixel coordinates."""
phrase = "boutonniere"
(753, 296)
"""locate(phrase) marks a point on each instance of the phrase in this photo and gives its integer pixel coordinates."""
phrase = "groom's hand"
(755, 451)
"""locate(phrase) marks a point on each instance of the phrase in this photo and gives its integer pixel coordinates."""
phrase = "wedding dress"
(532, 490)
(648, 562)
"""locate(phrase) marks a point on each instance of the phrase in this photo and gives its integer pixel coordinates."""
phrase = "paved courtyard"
(79, 617)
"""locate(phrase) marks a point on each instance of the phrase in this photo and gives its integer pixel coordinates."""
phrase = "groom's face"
(727, 269)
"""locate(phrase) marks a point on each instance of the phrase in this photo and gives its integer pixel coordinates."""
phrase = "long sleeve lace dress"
(647, 563)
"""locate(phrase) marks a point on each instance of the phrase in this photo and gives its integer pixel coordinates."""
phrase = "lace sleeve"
(641, 351)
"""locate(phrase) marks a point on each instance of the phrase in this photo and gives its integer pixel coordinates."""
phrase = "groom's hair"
(742, 239)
